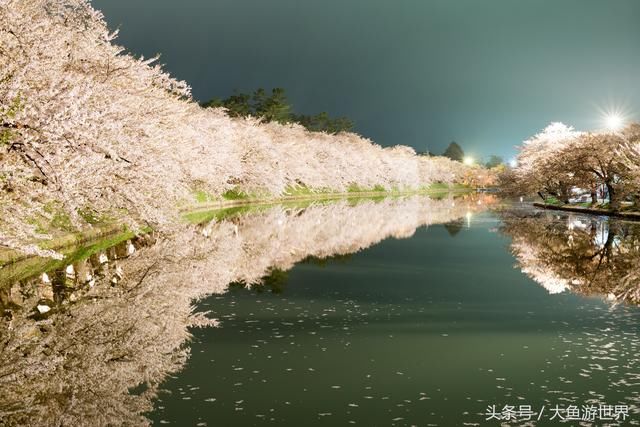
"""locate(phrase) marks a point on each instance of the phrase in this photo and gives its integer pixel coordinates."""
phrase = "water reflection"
(89, 343)
(454, 227)
(584, 254)
(403, 335)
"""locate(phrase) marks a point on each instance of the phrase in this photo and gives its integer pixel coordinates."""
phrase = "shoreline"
(633, 216)
(75, 240)
(71, 240)
(224, 204)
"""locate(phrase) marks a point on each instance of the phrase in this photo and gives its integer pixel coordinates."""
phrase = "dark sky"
(417, 72)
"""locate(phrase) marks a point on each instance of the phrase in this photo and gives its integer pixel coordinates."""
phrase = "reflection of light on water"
(468, 215)
(600, 230)
(575, 223)
(602, 234)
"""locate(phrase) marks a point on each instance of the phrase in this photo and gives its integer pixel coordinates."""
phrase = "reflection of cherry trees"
(104, 333)
(587, 255)
(119, 320)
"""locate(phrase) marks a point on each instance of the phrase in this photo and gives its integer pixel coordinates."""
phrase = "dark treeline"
(275, 107)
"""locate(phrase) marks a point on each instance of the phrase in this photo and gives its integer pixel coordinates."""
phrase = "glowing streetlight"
(613, 121)
(468, 160)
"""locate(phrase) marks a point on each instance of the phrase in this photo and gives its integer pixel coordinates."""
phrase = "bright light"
(614, 116)
(614, 121)
(513, 163)
(468, 160)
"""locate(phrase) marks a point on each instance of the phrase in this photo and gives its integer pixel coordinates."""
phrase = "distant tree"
(493, 161)
(213, 103)
(272, 108)
(323, 123)
(237, 105)
(275, 107)
(454, 152)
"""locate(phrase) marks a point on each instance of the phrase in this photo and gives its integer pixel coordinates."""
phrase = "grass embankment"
(79, 244)
(587, 208)
(15, 266)
(67, 240)
(302, 193)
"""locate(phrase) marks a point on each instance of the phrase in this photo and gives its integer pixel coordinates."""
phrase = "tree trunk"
(594, 195)
(614, 202)
(564, 194)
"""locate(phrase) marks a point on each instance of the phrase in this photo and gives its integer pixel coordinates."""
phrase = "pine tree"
(454, 152)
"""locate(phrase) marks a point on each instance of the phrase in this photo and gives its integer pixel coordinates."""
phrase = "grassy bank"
(79, 244)
(219, 210)
(69, 240)
(15, 266)
(233, 198)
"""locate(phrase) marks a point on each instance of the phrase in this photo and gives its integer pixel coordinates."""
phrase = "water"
(395, 312)
(422, 331)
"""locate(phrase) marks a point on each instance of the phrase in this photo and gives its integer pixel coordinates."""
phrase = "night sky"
(486, 74)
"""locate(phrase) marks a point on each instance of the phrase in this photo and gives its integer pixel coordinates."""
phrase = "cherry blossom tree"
(87, 127)
(540, 167)
(560, 160)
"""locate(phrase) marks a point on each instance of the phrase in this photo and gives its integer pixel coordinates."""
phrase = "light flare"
(614, 121)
